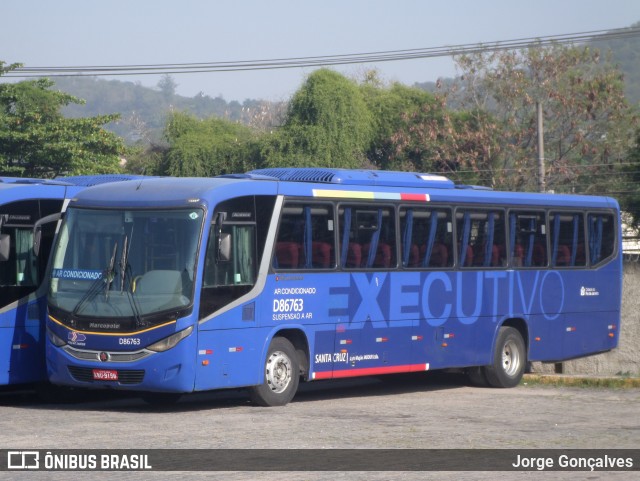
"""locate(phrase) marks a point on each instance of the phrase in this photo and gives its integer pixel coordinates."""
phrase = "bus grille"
(113, 356)
(125, 376)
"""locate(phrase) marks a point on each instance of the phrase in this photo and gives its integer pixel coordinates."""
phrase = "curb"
(582, 380)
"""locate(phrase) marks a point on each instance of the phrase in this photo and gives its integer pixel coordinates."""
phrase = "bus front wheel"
(509, 359)
(281, 375)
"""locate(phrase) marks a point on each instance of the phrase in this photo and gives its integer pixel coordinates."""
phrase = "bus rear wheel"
(281, 375)
(509, 359)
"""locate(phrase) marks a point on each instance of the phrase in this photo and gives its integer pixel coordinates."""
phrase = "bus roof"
(170, 191)
(318, 183)
(23, 188)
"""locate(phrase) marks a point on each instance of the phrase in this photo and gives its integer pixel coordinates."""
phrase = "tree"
(434, 138)
(587, 121)
(37, 141)
(207, 147)
(327, 124)
(389, 107)
(167, 86)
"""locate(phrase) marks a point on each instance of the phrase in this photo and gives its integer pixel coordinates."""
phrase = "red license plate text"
(105, 375)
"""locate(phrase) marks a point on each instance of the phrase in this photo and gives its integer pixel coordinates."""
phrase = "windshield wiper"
(123, 263)
(110, 272)
(125, 276)
(107, 278)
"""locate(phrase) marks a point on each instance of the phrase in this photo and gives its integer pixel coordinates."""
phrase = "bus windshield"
(125, 263)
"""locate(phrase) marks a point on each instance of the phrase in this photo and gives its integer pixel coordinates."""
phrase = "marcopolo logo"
(23, 460)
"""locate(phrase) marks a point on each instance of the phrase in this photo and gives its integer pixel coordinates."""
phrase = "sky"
(39, 33)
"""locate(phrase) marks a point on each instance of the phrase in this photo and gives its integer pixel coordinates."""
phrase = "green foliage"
(328, 124)
(147, 159)
(37, 141)
(436, 139)
(389, 107)
(207, 147)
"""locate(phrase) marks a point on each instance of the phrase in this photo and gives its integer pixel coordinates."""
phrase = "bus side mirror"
(5, 247)
(37, 239)
(37, 230)
(223, 253)
(224, 247)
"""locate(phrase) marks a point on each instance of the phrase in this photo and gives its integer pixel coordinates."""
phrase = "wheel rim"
(510, 358)
(279, 372)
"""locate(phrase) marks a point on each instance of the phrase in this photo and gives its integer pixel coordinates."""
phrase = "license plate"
(105, 375)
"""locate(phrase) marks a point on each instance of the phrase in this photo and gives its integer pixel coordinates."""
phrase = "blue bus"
(24, 203)
(258, 280)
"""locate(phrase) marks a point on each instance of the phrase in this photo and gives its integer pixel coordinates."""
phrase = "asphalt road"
(424, 411)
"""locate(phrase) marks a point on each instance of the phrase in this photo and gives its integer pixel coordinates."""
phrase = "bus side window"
(602, 237)
(481, 238)
(567, 239)
(425, 238)
(21, 272)
(225, 280)
(367, 237)
(306, 238)
(527, 239)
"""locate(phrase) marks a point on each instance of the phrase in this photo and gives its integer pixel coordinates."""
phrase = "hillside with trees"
(143, 111)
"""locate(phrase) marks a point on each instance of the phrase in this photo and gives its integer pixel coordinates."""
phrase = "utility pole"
(541, 173)
(542, 185)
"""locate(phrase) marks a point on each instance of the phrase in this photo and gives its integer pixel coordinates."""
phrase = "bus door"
(230, 341)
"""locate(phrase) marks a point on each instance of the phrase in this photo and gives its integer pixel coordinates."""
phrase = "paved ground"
(411, 412)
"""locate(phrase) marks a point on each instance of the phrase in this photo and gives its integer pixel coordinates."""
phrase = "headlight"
(169, 342)
(55, 340)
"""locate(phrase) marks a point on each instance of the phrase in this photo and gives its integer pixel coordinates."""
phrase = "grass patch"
(580, 381)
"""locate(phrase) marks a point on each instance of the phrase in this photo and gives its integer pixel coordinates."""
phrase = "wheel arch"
(298, 339)
(521, 326)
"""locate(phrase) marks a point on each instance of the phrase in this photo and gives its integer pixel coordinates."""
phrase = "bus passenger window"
(426, 238)
(527, 239)
(481, 238)
(567, 239)
(602, 237)
(367, 237)
(305, 237)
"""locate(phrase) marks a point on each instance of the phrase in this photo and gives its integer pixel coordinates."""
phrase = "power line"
(324, 60)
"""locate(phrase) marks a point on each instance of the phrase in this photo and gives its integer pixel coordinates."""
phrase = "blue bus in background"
(257, 280)
(24, 203)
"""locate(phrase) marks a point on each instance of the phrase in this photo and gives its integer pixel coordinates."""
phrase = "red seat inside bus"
(287, 255)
